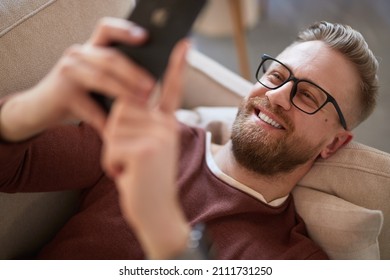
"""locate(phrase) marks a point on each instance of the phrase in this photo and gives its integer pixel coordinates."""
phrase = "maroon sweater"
(68, 157)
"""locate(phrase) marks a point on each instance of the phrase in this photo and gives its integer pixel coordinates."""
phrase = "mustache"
(263, 102)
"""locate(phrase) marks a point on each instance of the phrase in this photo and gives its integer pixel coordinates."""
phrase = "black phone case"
(167, 21)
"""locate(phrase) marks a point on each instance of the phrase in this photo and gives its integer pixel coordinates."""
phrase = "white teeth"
(268, 120)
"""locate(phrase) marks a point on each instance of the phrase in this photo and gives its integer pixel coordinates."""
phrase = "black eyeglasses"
(305, 95)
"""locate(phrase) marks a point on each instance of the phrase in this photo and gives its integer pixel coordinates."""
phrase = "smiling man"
(304, 106)
(290, 118)
(162, 178)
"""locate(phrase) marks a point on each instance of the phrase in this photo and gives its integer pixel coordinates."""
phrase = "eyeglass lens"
(306, 96)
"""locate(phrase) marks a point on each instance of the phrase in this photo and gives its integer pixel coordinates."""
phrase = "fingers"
(90, 112)
(117, 30)
(173, 79)
(111, 30)
(108, 71)
(133, 132)
(94, 67)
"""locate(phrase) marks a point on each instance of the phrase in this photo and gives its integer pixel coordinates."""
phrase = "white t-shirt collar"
(231, 181)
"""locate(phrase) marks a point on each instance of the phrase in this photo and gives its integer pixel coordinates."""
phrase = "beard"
(264, 152)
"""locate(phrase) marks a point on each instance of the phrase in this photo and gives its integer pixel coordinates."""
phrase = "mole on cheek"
(326, 120)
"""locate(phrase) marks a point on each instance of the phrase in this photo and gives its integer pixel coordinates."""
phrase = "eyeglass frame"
(329, 98)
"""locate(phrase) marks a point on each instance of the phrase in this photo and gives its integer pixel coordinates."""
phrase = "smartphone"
(167, 21)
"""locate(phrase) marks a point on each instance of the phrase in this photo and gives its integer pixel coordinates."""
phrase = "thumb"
(173, 80)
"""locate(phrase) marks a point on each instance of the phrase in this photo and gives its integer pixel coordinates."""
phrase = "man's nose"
(281, 96)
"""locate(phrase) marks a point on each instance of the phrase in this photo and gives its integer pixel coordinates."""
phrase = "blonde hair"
(352, 45)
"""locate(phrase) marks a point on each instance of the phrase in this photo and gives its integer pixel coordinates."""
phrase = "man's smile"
(267, 119)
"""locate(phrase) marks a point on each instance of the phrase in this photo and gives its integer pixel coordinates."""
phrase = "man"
(304, 106)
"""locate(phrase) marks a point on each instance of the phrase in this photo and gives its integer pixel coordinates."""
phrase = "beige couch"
(344, 200)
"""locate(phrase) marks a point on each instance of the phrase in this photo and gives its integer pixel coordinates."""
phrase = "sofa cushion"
(360, 175)
(32, 219)
(346, 231)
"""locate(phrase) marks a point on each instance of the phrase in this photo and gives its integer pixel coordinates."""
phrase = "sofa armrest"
(208, 83)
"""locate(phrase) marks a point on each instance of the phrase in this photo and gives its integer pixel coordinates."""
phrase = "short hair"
(352, 45)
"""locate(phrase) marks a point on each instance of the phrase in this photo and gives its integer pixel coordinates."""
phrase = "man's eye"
(310, 98)
(275, 77)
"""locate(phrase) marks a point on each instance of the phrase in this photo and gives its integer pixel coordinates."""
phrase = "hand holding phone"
(167, 21)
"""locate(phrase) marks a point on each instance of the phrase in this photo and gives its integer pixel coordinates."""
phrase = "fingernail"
(137, 31)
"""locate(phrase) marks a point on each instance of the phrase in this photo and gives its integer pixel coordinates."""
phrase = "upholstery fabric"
(345, 230)
(34, 34)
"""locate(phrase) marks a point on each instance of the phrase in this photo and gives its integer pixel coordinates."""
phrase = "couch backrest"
(34, 34)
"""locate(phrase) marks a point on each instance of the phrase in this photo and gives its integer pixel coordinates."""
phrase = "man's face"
(271, 136)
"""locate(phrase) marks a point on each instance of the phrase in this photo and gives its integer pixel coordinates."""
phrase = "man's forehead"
(328, 68)
(316, 61)
(303, 54)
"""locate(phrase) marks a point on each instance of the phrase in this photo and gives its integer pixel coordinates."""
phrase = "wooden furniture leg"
(239, 38)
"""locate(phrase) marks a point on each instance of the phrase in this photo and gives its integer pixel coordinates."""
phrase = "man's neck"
(271, 187)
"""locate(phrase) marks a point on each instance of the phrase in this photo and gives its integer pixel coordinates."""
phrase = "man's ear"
(339, 141)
